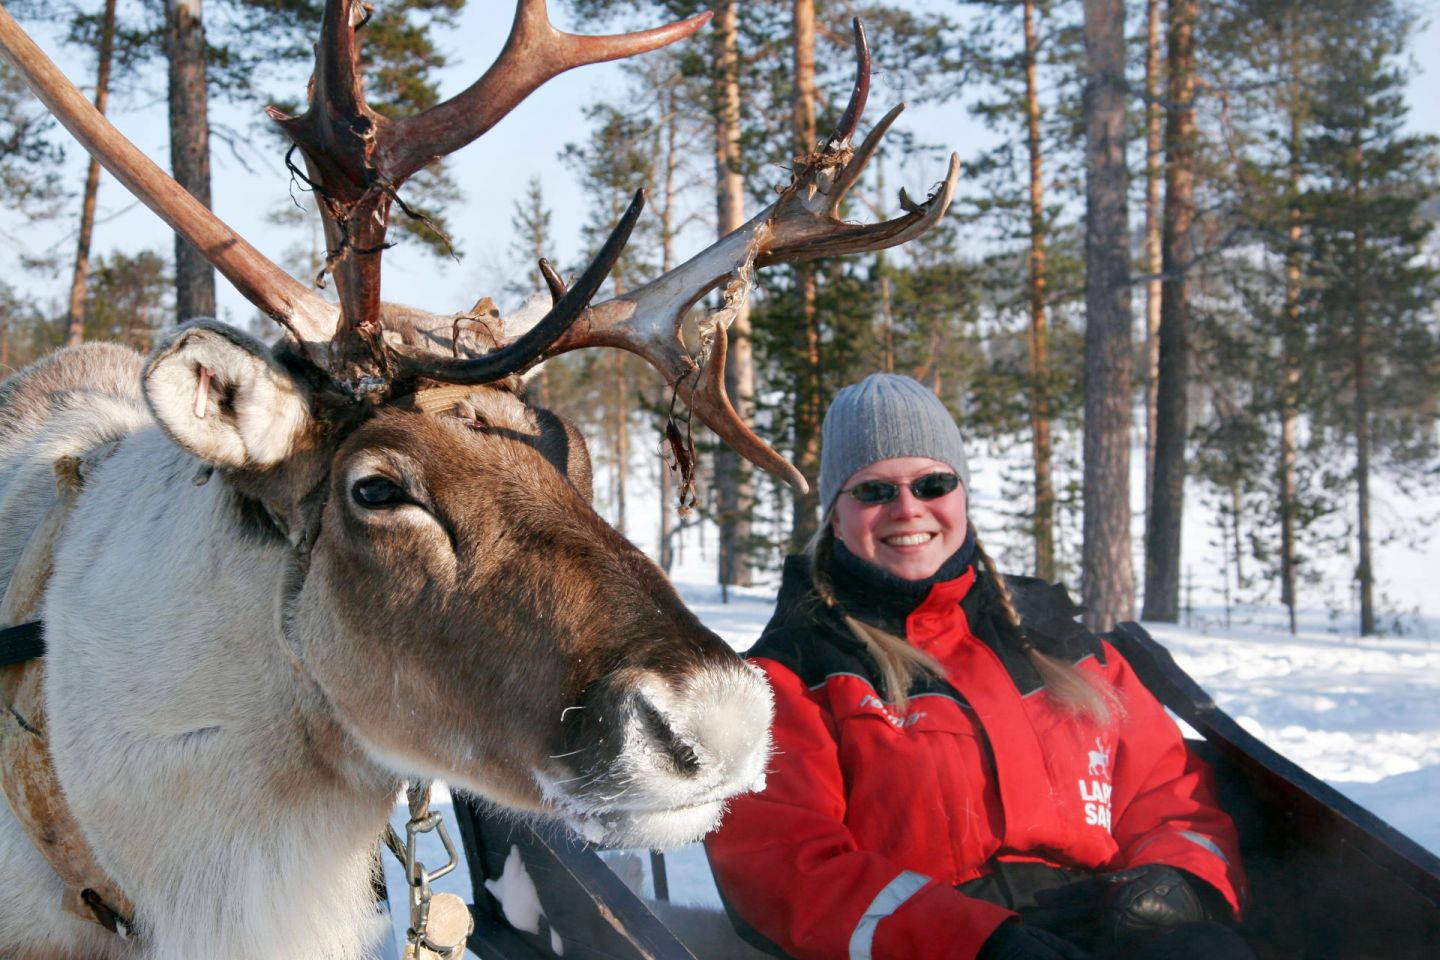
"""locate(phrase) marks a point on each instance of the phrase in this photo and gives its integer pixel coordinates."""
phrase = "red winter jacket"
(870, 819)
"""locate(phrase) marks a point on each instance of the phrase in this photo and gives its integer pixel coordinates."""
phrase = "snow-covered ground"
(1362, 715)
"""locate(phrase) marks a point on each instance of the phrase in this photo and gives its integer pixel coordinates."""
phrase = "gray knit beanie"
(883, 416)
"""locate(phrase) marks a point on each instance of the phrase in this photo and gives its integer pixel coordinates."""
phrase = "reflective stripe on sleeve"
(1207, 843)
(886, 902)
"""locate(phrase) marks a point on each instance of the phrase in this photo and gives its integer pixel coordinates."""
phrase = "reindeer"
(276, 582)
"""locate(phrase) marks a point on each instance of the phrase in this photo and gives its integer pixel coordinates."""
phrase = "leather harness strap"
(22, 643)
(29, 782)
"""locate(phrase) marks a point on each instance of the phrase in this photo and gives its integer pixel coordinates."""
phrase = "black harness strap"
(23, 642)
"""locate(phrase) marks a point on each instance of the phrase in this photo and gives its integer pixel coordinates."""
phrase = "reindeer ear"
(221, 395)
(561, 442)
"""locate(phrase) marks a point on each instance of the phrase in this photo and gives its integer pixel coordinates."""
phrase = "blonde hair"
(901, 663)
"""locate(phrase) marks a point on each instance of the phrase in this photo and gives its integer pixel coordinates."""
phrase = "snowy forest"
(1190, 266)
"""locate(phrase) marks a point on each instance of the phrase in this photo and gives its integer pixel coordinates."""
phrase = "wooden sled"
(1328, 879)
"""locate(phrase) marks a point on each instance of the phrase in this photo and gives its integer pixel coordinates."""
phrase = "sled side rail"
(589, 913)
(1328, 878)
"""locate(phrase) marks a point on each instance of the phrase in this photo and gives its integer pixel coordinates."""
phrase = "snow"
(517, 895)
(1361, 714)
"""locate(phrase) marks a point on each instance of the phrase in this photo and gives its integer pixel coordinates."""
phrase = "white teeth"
(909, 539)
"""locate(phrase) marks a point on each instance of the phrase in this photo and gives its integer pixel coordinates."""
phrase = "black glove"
(1071, 910)
(1146, 900)
(1016, 941)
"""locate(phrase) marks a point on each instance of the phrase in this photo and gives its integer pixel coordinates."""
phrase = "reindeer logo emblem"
(1095, 793)
(1099, 761)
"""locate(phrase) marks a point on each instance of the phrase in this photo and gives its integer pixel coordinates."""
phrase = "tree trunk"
(1167, 503)
(807, 412)
(1043, 526)
(734, 483)
(75, 322)
(1237, 507)
(1291, 344)
(887, 325)
(620, 399)
(1364, 571)
(189, 148)
(1364, 568)
(622, 440)
(537, 387)
(1154, 174)
(885, 309)
(530, 221)
(666, 549)
(1109, 582)
(1224, 523)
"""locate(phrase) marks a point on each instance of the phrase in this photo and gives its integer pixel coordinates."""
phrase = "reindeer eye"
(376, 492)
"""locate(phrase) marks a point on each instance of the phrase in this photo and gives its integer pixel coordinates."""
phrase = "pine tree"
(716, 82)
(30, 150)
(1167, 499)
(617, 161)
(734, 479)
(530, 221)
(189, 101)
(105, 58)
(1370, 306)
(1154, 181)
(129, 299)
(227, 55)
(1264, 64)
(1020, 200)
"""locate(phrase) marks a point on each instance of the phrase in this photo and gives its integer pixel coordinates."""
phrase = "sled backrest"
(1327, 877)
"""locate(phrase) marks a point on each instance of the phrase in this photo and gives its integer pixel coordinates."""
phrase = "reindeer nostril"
(679, 752)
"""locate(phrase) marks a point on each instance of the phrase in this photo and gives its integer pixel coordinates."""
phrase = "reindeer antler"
(566, 307)
(357, 160)
(802, 224)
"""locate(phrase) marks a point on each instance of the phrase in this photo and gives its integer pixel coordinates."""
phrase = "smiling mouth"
(907, 539)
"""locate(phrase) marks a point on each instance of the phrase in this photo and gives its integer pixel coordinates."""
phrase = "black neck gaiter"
(864, 588)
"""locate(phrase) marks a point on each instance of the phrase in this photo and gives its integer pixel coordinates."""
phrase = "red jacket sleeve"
(1164, 796)
(787, 863)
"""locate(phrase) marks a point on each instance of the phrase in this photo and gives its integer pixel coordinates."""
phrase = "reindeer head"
(449, 592)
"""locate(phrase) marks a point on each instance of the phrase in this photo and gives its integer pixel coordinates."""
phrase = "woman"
(961, 770)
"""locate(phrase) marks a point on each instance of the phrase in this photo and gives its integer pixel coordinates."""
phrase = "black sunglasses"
(932, 486)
